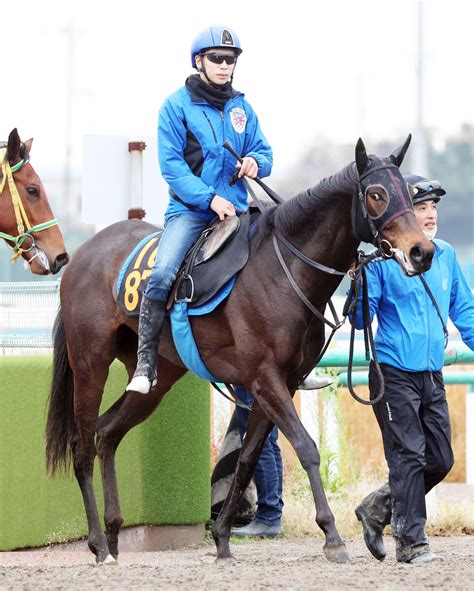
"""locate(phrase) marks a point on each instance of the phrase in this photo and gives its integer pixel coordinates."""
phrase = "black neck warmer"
(217, 96)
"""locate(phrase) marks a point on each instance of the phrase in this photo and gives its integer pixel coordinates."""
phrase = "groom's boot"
(152, 318)
(375, 513)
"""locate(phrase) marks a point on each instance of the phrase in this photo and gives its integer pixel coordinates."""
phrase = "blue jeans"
(180, 233)
(269, 470)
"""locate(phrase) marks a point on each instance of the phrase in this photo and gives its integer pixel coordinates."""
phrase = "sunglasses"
(220, 58)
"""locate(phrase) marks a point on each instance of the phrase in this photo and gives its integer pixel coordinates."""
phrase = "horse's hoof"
(109, 559)
(223, 551)
(223, 559)
(337, 553)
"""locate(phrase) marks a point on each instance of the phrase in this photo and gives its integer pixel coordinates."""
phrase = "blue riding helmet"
(423, 189)
(214, 37)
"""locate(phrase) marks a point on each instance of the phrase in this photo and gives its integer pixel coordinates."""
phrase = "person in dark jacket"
(193, 124)
(413, 415)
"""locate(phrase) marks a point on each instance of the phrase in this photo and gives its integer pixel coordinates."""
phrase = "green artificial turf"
(163, 465)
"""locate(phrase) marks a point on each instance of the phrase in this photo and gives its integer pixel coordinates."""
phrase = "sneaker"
(416, 554)
(425, 558)
(258, 528)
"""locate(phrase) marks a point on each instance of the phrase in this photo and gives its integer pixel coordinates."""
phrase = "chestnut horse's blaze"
(26, 220)
(262, 337)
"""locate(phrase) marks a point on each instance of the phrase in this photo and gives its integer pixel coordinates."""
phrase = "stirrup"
(141, 384)
(315, 382)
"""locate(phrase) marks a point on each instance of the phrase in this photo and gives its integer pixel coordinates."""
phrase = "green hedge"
(163, 465)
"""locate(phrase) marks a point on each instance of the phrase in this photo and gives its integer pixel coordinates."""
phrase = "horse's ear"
(398, 155)
(361, 158)
(27, 146)
(13, 146)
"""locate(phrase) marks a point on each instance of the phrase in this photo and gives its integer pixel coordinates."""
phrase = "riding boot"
(152, 318)
(375, 512)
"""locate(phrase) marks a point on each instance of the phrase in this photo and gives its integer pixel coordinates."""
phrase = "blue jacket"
(410, 334)
(192, 160)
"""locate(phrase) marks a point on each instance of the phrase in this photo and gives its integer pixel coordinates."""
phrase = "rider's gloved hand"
(222, 207)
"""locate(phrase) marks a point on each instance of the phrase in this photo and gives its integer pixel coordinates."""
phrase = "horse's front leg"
(258, 428)
(275, 400)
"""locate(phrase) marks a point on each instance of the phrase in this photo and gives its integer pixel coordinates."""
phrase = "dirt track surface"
(261, 564)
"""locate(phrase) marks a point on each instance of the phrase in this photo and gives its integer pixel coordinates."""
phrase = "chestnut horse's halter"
(24, 228)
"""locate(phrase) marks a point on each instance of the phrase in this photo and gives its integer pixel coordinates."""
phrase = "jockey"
(193, 124)
(413, 415)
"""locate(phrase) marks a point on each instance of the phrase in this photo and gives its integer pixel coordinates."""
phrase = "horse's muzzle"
(59, 262)
(421, 257)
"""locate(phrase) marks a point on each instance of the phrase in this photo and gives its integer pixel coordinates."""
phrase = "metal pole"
(450, 378)
(136, 210)
(470, 435)
(420, 143)
(338, 358)
(69, 77)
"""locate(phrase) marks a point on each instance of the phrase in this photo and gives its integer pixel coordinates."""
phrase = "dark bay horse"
(262, 337)
(26, 220)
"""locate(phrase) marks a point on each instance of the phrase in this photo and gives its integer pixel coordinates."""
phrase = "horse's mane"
(292, 214)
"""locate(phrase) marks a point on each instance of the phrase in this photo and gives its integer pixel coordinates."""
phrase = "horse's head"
(383, 211)
(26, 220)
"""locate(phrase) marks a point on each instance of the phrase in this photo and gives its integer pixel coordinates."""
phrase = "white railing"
(27, 313)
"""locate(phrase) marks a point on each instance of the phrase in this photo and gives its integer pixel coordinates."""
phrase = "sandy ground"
(260, 564)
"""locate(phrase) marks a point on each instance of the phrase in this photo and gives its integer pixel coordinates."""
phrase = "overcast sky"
(336, 69)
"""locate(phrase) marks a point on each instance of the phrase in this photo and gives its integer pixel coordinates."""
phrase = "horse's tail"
(60, 422)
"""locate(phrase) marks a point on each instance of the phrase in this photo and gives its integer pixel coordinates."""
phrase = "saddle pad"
(133, 277)
(185, 344)
(135, 272)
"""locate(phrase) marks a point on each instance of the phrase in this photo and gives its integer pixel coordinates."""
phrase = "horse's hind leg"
(258, 428)
(274, 399)
(89, 383)
(130, 410)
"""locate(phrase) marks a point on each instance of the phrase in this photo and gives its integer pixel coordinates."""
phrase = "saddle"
(219, 253)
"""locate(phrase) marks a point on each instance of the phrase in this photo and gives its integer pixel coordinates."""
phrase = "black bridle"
(366, 229)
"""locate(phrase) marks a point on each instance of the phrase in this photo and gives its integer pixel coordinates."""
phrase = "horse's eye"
(376, 196)
(33, 192)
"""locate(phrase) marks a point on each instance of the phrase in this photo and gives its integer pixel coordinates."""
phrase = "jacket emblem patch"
(238, 119)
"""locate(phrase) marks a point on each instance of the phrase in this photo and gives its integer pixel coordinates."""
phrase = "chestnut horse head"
(26, 220)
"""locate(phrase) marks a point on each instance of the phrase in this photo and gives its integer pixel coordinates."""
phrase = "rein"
(358, 277)
(21, 216)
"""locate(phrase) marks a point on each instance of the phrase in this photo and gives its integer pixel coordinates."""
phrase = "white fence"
(27, 313)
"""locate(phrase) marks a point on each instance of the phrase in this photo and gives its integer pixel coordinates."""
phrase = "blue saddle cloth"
(131, 284)
(183, 333)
